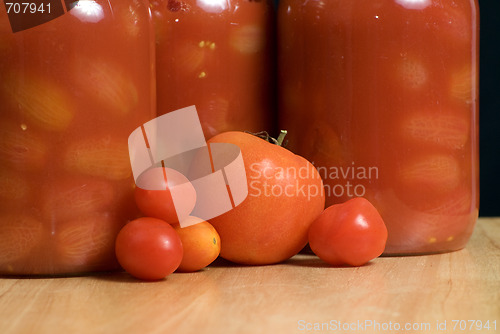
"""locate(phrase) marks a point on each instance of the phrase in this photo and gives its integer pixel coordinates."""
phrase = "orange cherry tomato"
(200, 244)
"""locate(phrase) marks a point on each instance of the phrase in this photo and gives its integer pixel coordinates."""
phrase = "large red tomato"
(285, 195)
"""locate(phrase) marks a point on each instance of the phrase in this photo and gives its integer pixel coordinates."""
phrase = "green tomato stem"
(281, 137)
(264, 135)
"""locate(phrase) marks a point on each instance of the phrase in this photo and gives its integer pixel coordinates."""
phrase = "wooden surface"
(294, 297)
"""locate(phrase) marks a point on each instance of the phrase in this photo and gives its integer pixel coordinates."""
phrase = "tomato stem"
(264, 135)
(281, 137)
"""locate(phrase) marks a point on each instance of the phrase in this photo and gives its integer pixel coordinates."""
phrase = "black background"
(489, 110)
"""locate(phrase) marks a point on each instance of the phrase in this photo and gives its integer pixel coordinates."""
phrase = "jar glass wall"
(382, 95)
(217, 55)
(72, 90)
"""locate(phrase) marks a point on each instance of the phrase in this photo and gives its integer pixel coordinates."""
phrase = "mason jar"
(382, 96)
(217, 55)
(77, 77)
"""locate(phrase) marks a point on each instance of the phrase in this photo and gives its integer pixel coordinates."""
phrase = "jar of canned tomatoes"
(382, 96)
(217, 55)
(77, 77)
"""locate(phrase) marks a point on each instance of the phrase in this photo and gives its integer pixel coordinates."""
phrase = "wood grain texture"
(286, 298)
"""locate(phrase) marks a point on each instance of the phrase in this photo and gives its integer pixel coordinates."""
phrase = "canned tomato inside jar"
(74, 86)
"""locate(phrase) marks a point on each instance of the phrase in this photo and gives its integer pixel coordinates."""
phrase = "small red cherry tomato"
(351, 233)
(148, 248)
(153, 195)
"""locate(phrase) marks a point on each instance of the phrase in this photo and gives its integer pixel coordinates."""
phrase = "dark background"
(489, 110)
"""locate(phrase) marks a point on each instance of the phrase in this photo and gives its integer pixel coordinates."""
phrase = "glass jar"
(382, 96)
(218, 56)
(73, 87)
